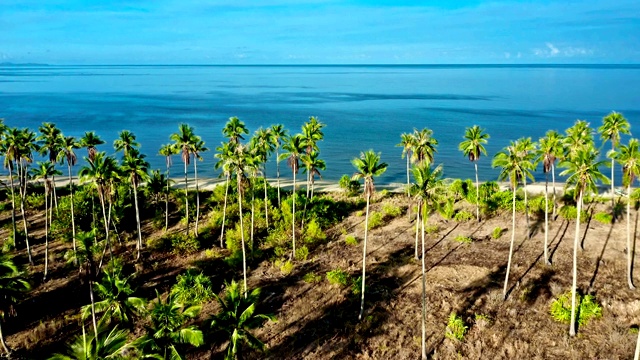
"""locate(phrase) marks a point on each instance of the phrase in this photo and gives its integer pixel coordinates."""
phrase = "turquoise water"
(364, 107)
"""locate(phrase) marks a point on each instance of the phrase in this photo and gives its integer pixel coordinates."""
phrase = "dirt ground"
(320, 320)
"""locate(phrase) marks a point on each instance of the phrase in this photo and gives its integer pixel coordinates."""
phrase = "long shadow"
(586, 228)
(555, 248)
(336, 331)
(442, 238)
(599, 259)
(533, 264)
(391, 239)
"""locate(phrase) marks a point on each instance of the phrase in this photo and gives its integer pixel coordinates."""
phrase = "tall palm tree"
(472, 147)
(311, 134)
(225, 154)
(628, 157)
(51, 142)
(263, 147)
(407, 142)
(90, 141)
(234, 129)
(125, 142)
(613, 125)
(85, 257)
(239, 164)
(167, 151)
(278, 134)
(368, 166)
(424, 146)
(45, 171)
(183, 141)
(169, 330)
(237, 317)
(428, 182)
(549, 150)
(11, 151)
(197, 147)
(583, 174)
(313, 165)
(526, 151)
(137, 169)
(12, 286)
(294, 148)
(69, 144)
(513, 168)
(26, 147)
(576, 138)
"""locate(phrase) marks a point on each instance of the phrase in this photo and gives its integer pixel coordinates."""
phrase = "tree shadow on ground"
(555, 248)
(599, 260)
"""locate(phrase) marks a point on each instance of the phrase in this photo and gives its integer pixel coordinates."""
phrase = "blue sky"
(319, 31)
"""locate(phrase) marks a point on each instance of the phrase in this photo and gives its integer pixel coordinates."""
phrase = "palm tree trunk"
(475, 163)
(244, 253)
(635, 357)
(266, 206)
(253, 202)
(23, 196)
(513, 236)
(293, 215)
(224, 211)
(424, 291)
(73, 220)
(195, 169)
(546, 220)
(4, 344)
(55, 195)
(186, 195)
(574, 285)
(46, 233)
(93, 308)
(278, 175)
(106, 228)
(417, 229)
(613, 194)
(526, 206)
(364, 257)
(166, 204)
(135, 200)
(553, 179)
(629, 245)
(13, 205)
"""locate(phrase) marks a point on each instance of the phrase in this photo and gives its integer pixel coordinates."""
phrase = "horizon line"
(26, 64)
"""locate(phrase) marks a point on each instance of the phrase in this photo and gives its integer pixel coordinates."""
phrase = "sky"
(319, 32)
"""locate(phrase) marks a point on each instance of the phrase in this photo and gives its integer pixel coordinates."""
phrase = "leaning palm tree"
(183, 141)
(407, 143)
(197, 147)
(69, 144)
(134, 165)
(278, 134)
(583, 173)
(45, 172)
(628, 157)
(27, 145)
(90, 141)
(294, 147)
(12, 286)
(368, 166)
(472, 147)
(513, 168)
(225, 154)
(428, 183)
(550, 148)
(125, 142)
(167, 151)
(237, 317)
(613, 125)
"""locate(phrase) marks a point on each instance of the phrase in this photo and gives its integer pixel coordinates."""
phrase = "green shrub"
(313, 232)
(588, 308)
(464, 215)
(456, 328)
(35, 201)
(234, 260)
(351, 240)
(569, 212)
(391, 210)
(233, 237)
(376, 219)
(356, 285)
(536, 205)
(184, 244)
(603, 217)
(431, 229)
(311, 278)
(338, 277)
(351, 187)
(497, 232)
(285, 266)
(192, 288)
(359, 213)
(464, 239)
(446, 209)
(302, 253)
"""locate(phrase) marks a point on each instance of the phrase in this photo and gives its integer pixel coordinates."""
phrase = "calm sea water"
(364, 107)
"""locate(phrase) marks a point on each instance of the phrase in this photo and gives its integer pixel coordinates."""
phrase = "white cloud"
(552, 50)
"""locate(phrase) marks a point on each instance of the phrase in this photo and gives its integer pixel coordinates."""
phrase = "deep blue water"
(364, 107)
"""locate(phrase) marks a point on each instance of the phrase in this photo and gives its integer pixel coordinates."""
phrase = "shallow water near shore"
(363, 106)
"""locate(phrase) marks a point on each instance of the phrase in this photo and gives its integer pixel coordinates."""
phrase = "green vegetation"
(312, 278)
(463, 239)
(463, 215)
(192, 287)
(338, 277)
(588, 308)
(351, 240)
(456, 328)
(497, 232)
(603, 217)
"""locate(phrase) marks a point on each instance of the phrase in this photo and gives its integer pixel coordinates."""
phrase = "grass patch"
(351, 240)
(588, 308)
(603, 217)
(302, 253)
(376, 219)
(286, 267)
(391, 210)
(456, 328)
(338, 277)
(463, 215)
(463, 239)
(497, 232)
(312, 278)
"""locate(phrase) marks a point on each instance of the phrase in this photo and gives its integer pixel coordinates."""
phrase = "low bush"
(588, 308)
(302, 253)
(182, 244)
(464, 215)
(285, 266)
(446, 209)
(456, 328)
(464, 239)
(569, 212)
(311, 278)
(391, 210)
(603, 217)
(356, 285)
(376, 219)
(497, 232)
(338, 277)
(351, 240)
(351, 187)
(313, 232)
(192, 288)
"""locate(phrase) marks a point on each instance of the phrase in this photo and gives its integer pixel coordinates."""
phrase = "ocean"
(364, 106)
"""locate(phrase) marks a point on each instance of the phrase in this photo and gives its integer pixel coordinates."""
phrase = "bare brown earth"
(320, 321)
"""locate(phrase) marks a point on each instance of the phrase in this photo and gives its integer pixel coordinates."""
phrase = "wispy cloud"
(551, 51)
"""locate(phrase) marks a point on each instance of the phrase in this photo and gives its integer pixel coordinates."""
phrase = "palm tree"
(27, 145)
(183, 142)
(428, 182)
(313, 165)
(117, 302)
(168, 328)
(628, 157)
(407, 143)
(513, 168)
(12, 286)
(69, 144)
(526, 151)
(294, 147)
(582, 171)
(197, 147)
(137, 168)
(234, 129)
(51, 142)
(125, 142)
(263, 147)
(472, 147)
(237, 317)
(155, 186)
(45, 171)
(424, 146)
(90, 141)
(550, 148)
(167, 151)
(311, 134)
(225, 153)
(278, 134)
(239, 163)
(10, 149)
(110, 343)
(368, 166)
(577, 137)
(613, 125)
(85, 257)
